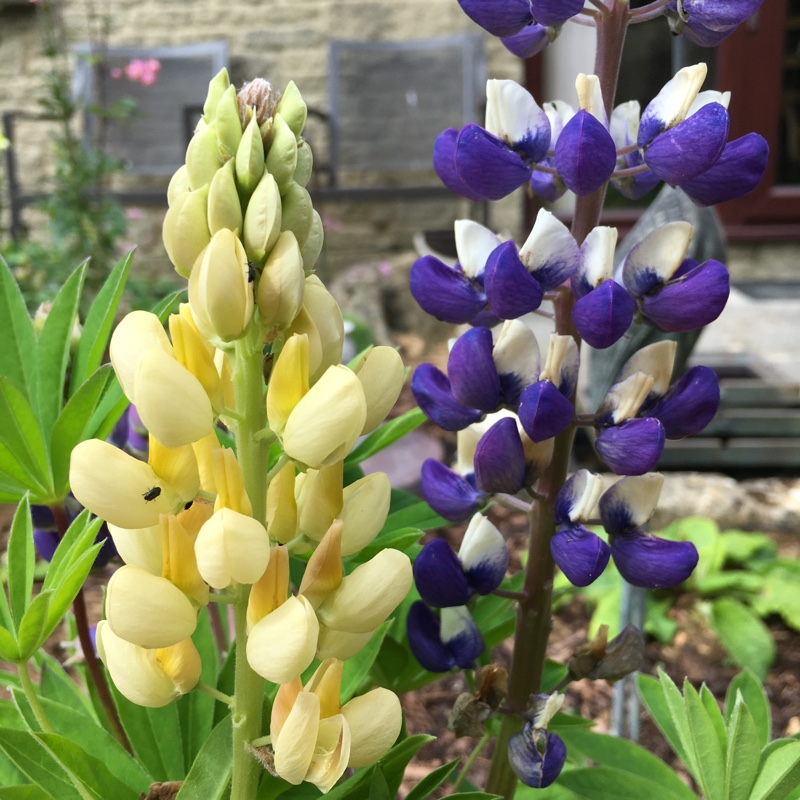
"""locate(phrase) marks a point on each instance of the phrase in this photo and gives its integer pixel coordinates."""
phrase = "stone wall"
(279, 39)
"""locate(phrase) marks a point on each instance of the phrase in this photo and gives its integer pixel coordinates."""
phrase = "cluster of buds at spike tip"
(242, 230)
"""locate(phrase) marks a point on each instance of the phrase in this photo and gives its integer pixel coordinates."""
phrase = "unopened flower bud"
(297, 213)
(293, 108)
(216, 88)
(282, 283)
(282, 506)
(250, 158)
(281, 158)
(260, 98)
(185, 230)
(382, 374)
(228, 124)
(313, 244)
(224, 207)
(364, 511)
(178, 185)
(305, 162)
(202, 157)
(289, 381)
(220, 293)
(262, 220)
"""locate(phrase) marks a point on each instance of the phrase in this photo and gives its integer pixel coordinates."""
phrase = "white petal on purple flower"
(532, 767)
(498, 17)
(511, 290)
(585, 155)
(460, 635)
(516, 357)
(543, 411)
(444, 162)
(578, 497)
(424, 638)
(431, 389)
(550, 252)
(738, 171)
(444, 292)
(562, 363)
(624, 124)
(654, 260)
(692, 301)
(447, 493)
(474, 245)
(554, 12)
(691, 147)
(689, 405)
(633, 447)
(487, 165)
(528, 42)
(439, 577)
(499, 459)
(603, 316)
(581, 554)
(672, 103)
(473, 377)
(709, 96)
(656, 360)
(590, 97)
(484, 555)
(514, 116)
(652, 562)
(630, 502)
(596, 263)
(624, 399)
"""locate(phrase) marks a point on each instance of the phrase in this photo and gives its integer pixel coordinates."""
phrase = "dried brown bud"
(468, 716)
(601, 659)
(266, 757)
(492, 685)
(162, 791)
(257, 97)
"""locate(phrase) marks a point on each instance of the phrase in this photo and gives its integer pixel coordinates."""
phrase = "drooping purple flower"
(438, 576)
(445, 292)
(472, 372)
(498, 17)
(633, 447)
(537, 757)
(543, 411)
(444, 162)
(432, 391)
(448, 493)
(441, 643)
(499, 459)
(554, 12)
(708, 22)
(688, 405)
(581, 554)
(585, 155)
(483, 555)
(528, 42)
(511, 289)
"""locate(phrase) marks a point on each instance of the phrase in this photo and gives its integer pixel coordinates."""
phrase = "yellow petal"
(288, 382)
(324, 569)
(382, 374)
(282, 644)
(113, 485)
(231, 548)
(367, 596)
(171, 402)
(177, 466)
(271, 589)
(364, 511)
(282, 506)
(339, 644)
(229, 482)
(326, 683)
(179, 565)
(182, 664)
(319, 499)
(375, 720)
(138, 332)
(325, 424)
(282, 283)
(331, 753)
(295, 745)
(140, 547)
(282, 706)
(203, 452)
(148, 610)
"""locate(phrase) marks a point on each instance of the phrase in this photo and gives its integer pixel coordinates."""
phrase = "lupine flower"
(537, 757)
(445, 579)
(529, 41)
(448, 494)
(441, 643)
(708, 22)
(506, 17)
(549, 185)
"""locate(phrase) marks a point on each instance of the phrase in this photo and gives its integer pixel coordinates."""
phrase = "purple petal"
(119, 435)
(689, 405)
(604, 315)
(431, 390)
(483, 555)
(500, 459)
(444, 162)
(533, 768)
(691, 147)
(447, 493)
(512, 291)
(528, 42)
(42, 517)
(554, 12)
(46, 542)
(692, 301)
(543, 411)
(738, 171)
(473, 375)
(461, 636)
(585, 155)
(444, 292)
(633, 447)
(635, 187)
(720, 15)
(498, 17)
(487, 165)
(423, 628)
(705, 37)
(581, 554)
(438, 576)
(652, 562)
(548, 187)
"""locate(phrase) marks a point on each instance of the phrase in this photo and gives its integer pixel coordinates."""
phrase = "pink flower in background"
(139, 70)
(116, 73)
(134, 213)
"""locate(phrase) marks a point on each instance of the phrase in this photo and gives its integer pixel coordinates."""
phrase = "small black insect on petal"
(251, 271)
(151, 494)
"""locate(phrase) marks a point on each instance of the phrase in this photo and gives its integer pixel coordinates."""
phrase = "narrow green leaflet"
(715, 715)
(356, 669)
(433, 780)
(387, 434)
(741, 762)
(74, 423)
(77, 540)
(609, 783)
(9, 651)
(210, 774)
(779, 772)
(14, 481)
(18, 347)
(53, 346)
(33, 628)
(26, 792)
(744, 635)
(473, 796)
(756, 701)
(99, 321)
(57, 686)
(21, 560)
(378, 788)
(25, 752)
(710, 757)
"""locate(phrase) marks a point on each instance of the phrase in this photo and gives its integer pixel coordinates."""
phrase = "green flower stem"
(462, 775)
(29, 691)
(253, 460)
(534, 610)
(217, 695)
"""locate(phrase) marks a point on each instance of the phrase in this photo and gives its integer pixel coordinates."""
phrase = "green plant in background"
(739, 581)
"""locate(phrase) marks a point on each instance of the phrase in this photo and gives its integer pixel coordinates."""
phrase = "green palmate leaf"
(781, 592)
(26, 792)
(21, 434)
(725, 582)
(746, 548)
(715, 715)
(24, 750)
(33, 628)
(356, 669)
(18, 346)
(53, 349)
(710, 756)
(74, 423)
(553, 792)
(21, 560)
(432, 781)
(210, 773)
(10, 718)
(779, 771)
(387, 434)
(110, 408)
(741, 763)
(609, 783)
(657, 623)
(14, 483)
(625, 756)
(164, 307)
(98, 324)
(744, 635)
(752, 692)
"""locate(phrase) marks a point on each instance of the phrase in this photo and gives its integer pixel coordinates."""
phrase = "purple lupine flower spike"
(442, 643)
(447, 493)
(499, 459)
(438, 576)
(585, 155)
(473, 376)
